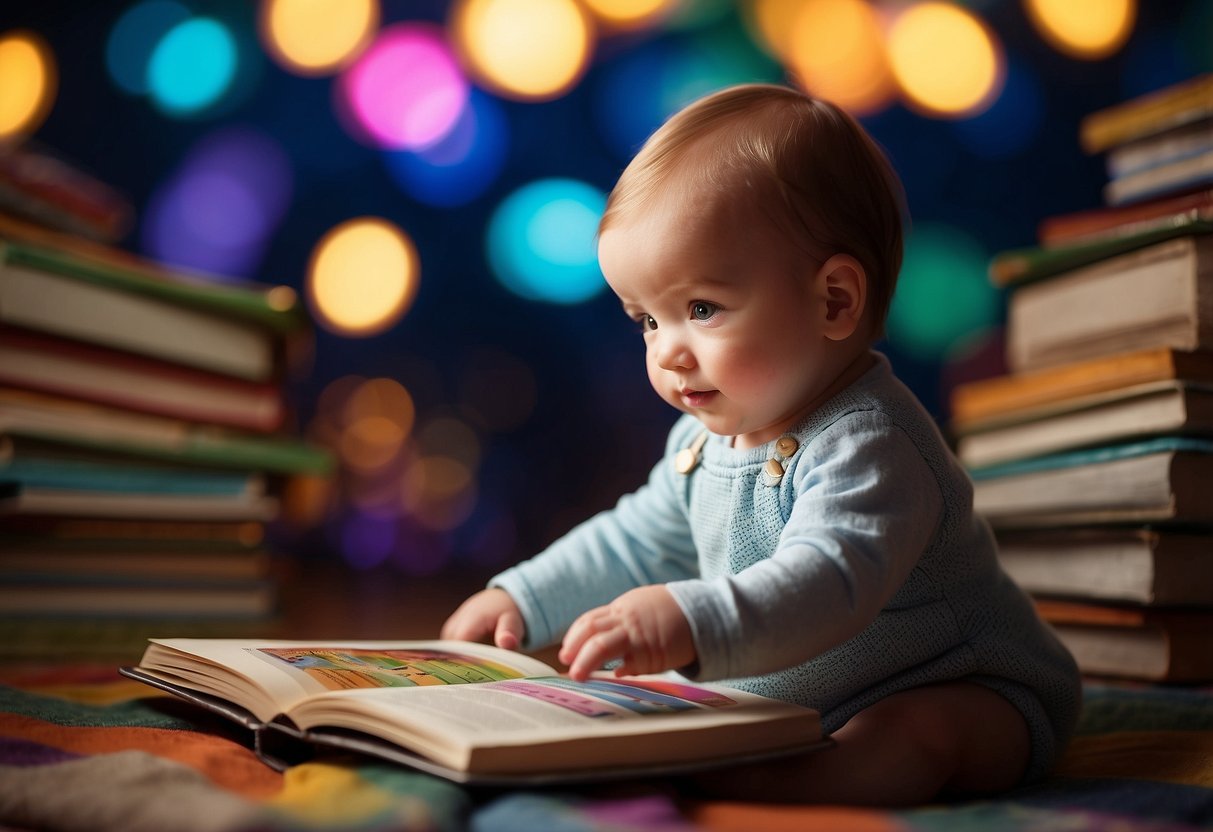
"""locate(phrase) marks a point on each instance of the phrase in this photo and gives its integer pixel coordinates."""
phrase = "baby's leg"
(955, 737)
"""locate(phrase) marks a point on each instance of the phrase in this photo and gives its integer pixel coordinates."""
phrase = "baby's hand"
(488, 612)
(644, 627)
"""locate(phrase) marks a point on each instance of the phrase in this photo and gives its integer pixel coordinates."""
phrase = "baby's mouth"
(696, 398)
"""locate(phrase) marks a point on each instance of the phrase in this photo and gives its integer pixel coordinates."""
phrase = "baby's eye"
(647, 323)
(702, 310)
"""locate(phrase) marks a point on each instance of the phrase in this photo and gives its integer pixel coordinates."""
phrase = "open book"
(470, 712)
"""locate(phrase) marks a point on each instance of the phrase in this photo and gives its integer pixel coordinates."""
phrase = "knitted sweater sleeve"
(645, 539)
(866, 506)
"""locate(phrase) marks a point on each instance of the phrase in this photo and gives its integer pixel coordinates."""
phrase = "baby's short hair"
(813, 168)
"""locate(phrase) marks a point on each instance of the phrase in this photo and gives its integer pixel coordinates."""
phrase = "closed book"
(1106, 223)
(1156, 112)
(1015, 267)
(1168, 146)
(69, 368)
(1130, 565)
(60, 597)
(1161, 480)
(1158, 296)
(88, 427)
(63, 286)
(1168, 177)
(1137, 643)
(61, 502)
(46, 467)
(1129, 413)
(1016, 397)
(44, 187)
(116, 559)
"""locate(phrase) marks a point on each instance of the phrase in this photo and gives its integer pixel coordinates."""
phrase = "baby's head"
(798, 163)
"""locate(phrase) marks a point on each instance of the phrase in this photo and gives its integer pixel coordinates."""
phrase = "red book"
(48, 364)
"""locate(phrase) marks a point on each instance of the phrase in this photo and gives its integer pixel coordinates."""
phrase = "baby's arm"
(644, 628)
(488, 612)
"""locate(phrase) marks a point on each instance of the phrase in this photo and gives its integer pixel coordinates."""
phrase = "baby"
(807, 536)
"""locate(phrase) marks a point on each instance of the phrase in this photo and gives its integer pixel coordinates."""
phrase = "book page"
(270, 677)
(504, 725)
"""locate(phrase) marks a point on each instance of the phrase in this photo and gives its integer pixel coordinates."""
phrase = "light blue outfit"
(863, 571)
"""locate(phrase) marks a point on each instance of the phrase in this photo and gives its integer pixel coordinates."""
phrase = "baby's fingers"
(596, 651)
(583, 628)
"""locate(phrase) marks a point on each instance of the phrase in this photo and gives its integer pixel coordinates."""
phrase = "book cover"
(43, 187)
(1139, 643)
(1015, 267)
(1159, 480)
(101, 429)
(1017, 396)
(276, 308)
(1164, 109)
(1168, 146)
(1125, 565)
(1180, 174)
(86, 371)
(1147, 410)
(1096, 224)
(59, 596)
(1158, 296)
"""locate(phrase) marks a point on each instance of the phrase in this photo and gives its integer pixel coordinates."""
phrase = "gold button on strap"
(686, 459)
(772, 471)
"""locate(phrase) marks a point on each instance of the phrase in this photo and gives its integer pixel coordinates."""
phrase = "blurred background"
(428, 176)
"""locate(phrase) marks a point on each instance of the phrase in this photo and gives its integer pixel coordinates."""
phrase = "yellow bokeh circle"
(316, 37)
(529, 50)
(836, 49)
(946, 61)
(362, 277)
(630, 14)
(1087, 29)
(28, 82)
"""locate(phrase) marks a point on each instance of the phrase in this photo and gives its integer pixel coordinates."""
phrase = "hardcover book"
(470, 712)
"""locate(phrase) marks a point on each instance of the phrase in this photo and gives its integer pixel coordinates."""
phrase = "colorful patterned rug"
(82, 749)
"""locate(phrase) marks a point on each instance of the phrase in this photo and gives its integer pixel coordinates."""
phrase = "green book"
(277, 308)
(1024, 265)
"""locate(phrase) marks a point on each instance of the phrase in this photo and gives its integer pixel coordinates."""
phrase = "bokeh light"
(1088, 29)
(524, 49)
(439, 492)
(541, 241)
(28, 82)
(640, 90)
(630, 14)
(406, 91)
(692, 14)
(218, 211)
(192, 66)
(942, 295)
(771, 23)
(133, 38)
(1012, 123)
(362, 277)
(947, 61)
(463, 164)
(836, 50)
(317, 37)
(450, 437)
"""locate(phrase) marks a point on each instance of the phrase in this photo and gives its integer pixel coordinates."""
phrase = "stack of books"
(1093, 456)
(141, 445)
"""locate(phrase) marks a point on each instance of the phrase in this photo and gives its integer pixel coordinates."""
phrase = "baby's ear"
(843, 284)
